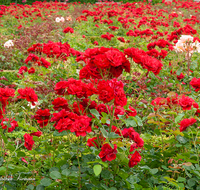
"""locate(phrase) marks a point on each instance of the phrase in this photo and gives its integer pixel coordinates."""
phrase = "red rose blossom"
(185, 123)
(28, 141)
(107, 153)
(28, 94)
(195, 83)
(135, 159)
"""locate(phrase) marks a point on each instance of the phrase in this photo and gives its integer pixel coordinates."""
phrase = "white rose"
(8, 44)
(57, 19)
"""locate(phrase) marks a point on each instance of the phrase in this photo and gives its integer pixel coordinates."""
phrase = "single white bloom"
(8, 44)
(57, 19)
(36, 104)
(62, 19)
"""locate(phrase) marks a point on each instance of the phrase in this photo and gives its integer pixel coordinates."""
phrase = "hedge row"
(7, 2)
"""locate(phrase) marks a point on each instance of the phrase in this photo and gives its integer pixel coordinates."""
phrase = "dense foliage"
(102, 96)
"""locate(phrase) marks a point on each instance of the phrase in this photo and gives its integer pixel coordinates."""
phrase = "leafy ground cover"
(100, 96)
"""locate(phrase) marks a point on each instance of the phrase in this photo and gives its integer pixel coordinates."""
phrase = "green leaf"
(40, 187)
(179, 71)
(153, 171)
(32, 129)
(123, 174)
(55, 175)
(30, 187)
(113, 135)
(45, 182)
(181, 139)
(1, 160)
(130, 122)
(191, 182)
(178, 118)
(103, 120)
(139, 121)
(66, 172)
(21, 154)
(4, 138)
(181, 179)
(2, 170)
(105, 164)
(10, 147)
(104, 132)
(95, 113)
(97, 169)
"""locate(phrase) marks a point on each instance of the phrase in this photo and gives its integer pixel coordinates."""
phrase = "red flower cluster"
(107, 36)
(195, 83)
(66, 120)
(38, 61)
(107, 153)
(103, 62)
(28, 94)
(135, 159)
(52, 49)
(133, 135)
(11, 123)
(42, 117)
(29, 142)
(68, 29)
(75, 87)
(113, 89)
(5, 94)
(185, 123)
(146, 61)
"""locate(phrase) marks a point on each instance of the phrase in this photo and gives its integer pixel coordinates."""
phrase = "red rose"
(195, 83)
(45, 63)
(64, 124)
(60, 87)
(185, 123)
(186, 102)
(115, 57)
(151, 64)
(181, 76)
(31, 70)
(38, 133)
(120, 98)
(107, 153)
(32, 58)
(135, 159)
(42, 117)
(106, 93)
(60, 103)
(28, 141)
(133, 112)
(81, 126)
(28, 94)
(22, 70)
(92, 142)
(11, 123)
(68, 29)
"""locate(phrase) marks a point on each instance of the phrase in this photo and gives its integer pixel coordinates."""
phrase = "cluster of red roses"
(51, 50)
(146, 61)
(185, 102)
(103, 63)
(74, 117)
(9, 123)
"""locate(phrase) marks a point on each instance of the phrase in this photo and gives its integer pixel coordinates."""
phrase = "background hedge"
(7, 2)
